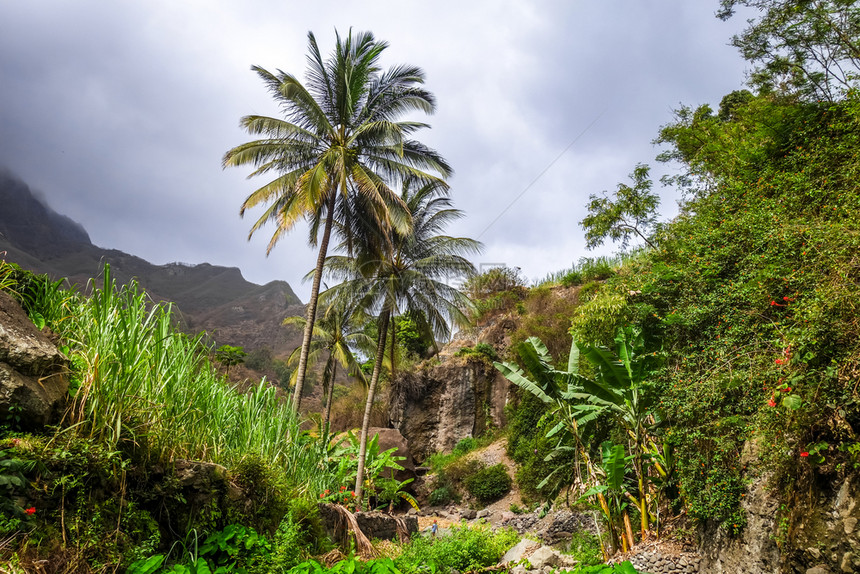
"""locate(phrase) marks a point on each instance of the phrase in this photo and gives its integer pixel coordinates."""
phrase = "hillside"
(210, 297)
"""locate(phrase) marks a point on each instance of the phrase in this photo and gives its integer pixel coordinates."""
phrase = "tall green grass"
(146, 387)
(588, 269)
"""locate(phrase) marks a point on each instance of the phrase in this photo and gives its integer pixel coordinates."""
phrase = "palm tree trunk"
(328, 399)
(312, 304)
(393, 350)
(371, 391)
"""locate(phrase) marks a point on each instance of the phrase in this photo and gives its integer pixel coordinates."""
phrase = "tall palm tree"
(341, 135)
(394, 272)
(336, 333)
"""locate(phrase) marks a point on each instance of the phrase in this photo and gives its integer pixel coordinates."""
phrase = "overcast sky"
(118, 113)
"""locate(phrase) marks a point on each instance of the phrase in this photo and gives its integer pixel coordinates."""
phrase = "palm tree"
(335, 334)
(397, 272)
(341, 136)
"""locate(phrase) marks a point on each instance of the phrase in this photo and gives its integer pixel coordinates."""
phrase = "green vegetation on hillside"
(747, 303)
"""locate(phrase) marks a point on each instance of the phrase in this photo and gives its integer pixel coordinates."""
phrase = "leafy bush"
(481, 350)
(584, 547)
(465, 446)
(489, 484)
(350, 565)
(547, 316)
(441, 496)
(571, 278)
(597, 268)
(588, 291)
(458, 470)
(464, 548)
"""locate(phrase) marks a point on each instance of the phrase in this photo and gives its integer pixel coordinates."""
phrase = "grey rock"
(436, 407)
(516, 553)
(813, 552)
(468, 514)
(483, 513)
(544, 556)
(847, 564)
(819, 569)
(33, 371)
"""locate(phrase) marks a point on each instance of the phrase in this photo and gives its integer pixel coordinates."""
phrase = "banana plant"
(347, 452)
(614, 466)
(616, 389)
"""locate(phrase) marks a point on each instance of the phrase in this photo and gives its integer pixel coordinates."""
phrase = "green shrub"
(589, 290)
(458, 470)
(287, 544)
(571, 278)
(597, 268)
(465, 446)
(584, 547)
(489, 484)
(463, 548)
(441, 496)
(481, 351)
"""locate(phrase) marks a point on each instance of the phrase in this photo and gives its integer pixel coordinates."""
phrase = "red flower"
(780, 361)
(322, 495)
(352, 493)
(771, 402)
(31, 510)
(804, 454)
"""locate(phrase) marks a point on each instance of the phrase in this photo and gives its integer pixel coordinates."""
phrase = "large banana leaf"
(515, 375)
(612, 370)
(614, 465)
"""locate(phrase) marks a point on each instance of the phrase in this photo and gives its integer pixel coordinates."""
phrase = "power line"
(541, 174)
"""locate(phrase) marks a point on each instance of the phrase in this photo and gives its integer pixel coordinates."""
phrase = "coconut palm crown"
(341, 135)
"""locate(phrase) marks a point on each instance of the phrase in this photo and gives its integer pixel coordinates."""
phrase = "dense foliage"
(751, 296)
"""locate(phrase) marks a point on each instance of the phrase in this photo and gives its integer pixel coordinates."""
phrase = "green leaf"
(792, 402)
(147, 566)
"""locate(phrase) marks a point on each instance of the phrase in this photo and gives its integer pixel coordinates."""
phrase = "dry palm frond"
(346, 524)
(402, 530)
(329, 559)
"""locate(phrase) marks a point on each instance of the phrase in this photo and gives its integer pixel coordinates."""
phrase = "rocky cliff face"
(813, 531)
(436, 407)
(449, 398)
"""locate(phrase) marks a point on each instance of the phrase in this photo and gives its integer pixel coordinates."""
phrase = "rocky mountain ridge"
(211, 298)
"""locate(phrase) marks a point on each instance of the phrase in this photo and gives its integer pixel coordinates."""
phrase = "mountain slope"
(210, 297)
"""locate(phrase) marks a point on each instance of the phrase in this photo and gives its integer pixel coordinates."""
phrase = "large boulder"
(34, 382)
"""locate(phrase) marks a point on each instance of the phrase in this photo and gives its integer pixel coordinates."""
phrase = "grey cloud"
(120, 112)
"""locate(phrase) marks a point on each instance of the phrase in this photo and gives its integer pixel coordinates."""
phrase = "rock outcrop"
(816, 533)
(34, 379)
(437, 406)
